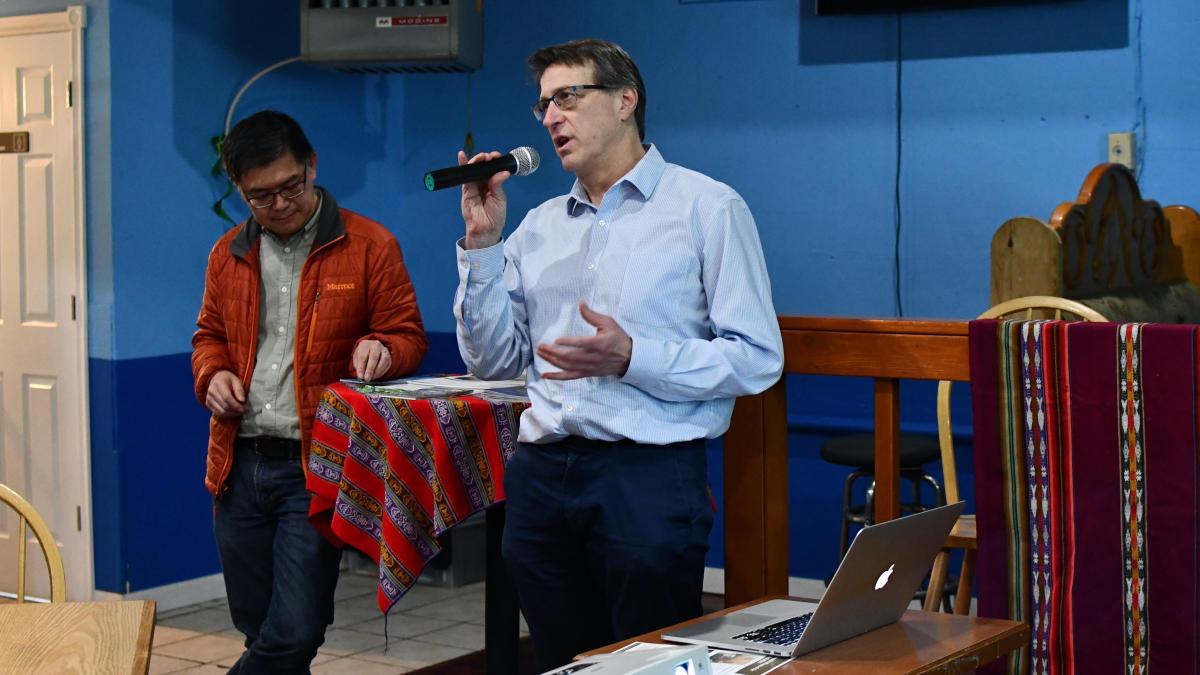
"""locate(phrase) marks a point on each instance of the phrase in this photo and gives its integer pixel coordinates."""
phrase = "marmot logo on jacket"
(339, 287)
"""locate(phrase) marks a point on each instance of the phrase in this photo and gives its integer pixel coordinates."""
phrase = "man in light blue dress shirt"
(638, 307)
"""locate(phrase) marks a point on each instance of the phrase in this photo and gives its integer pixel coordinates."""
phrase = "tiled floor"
(429, 625)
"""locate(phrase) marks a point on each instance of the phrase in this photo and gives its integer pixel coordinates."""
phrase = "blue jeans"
(280, 573)
(605, 541)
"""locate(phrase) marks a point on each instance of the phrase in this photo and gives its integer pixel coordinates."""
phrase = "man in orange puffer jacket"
(300, 295)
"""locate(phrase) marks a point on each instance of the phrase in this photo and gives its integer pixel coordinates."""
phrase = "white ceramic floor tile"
(354, 666)
(412, 654)
(228, 661)
(420, 595)
(355, 610)
(467, 636)
(161, 664)
(160, 614)
(401, 625)
(458, 609)
(323, 658)
(346, 642)
(165, 635)
(200, 621)
(203, 649)
(200, 639)
(207, 669)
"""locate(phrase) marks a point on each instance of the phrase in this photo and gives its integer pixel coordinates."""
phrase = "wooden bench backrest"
(1125, 256)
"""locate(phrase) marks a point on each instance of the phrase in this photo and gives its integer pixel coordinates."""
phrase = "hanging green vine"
(218, 206)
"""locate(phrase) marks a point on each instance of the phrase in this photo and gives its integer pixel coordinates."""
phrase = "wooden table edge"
(145, 641)
(1010, 638)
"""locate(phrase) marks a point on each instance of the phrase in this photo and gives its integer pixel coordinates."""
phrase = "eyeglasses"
(292, 190)
(565, 98)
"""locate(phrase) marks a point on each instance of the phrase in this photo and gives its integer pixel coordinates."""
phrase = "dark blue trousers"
(605, 541)
(280, 573)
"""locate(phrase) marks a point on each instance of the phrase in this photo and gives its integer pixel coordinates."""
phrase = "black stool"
(858, 450)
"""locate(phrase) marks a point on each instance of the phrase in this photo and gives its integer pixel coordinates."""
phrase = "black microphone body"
(521, 162)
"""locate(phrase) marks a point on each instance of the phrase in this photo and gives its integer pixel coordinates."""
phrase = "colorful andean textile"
(389, 475)
(1085, 474)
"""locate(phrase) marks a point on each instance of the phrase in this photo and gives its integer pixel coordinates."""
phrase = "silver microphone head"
(527, 160)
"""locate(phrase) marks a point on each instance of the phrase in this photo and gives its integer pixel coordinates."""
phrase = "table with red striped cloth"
(389, 475)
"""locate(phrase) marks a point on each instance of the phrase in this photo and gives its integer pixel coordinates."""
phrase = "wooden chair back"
(963, 536)
(27, 515)
(1032, 307)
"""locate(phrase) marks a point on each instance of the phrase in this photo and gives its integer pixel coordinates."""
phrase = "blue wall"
(1001, 112)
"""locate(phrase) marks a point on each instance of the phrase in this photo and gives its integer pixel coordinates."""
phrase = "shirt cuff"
(642, 362)
(481, 264)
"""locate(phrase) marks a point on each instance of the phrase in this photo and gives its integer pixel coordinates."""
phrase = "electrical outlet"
(1120, 148)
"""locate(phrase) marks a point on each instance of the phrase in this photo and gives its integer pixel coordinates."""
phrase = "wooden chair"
(27, 514)
(963, 535)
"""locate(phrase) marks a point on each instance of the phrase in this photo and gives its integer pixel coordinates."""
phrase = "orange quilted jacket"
(353, 287)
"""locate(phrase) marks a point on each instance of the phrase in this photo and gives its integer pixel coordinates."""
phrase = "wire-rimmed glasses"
(292, 190)
(565, 98)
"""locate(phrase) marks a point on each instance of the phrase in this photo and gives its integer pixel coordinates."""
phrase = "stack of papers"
(724, 661)
(509, 394)
(445, 386)
(720, 662)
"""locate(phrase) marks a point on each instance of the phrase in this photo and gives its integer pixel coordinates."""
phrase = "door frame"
(73, 20)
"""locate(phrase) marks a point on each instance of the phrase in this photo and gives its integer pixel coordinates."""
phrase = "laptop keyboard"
(783, 632)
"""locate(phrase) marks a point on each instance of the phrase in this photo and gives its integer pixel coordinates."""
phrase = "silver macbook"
(872, 587)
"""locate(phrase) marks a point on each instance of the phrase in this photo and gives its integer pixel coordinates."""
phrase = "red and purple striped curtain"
(1086, 487)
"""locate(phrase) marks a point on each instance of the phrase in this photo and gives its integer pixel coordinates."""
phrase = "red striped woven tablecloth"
(388, 475)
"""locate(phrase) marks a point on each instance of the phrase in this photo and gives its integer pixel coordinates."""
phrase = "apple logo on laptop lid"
(885, 576)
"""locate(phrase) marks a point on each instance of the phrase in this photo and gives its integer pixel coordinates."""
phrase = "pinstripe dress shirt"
(675, 258)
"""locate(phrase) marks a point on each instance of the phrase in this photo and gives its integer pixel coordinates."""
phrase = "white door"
(43, 376)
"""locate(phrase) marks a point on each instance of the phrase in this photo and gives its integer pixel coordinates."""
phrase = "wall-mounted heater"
(393, 36)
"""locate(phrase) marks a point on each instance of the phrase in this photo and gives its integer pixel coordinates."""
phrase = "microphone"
(521, 161)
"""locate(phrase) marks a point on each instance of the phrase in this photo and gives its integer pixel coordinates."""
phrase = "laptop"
(872, 587)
